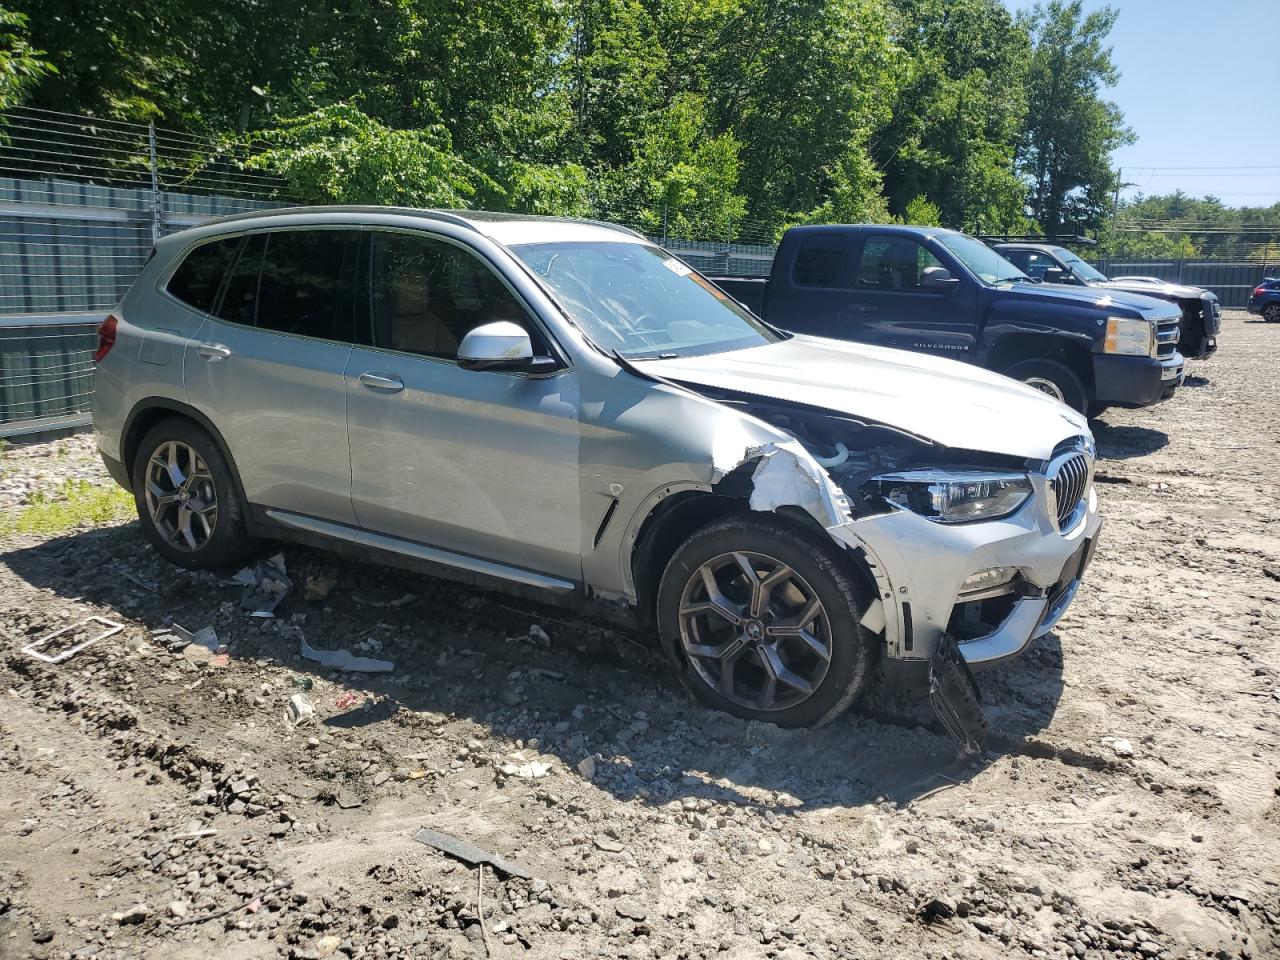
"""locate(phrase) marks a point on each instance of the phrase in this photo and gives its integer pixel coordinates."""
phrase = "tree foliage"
(1070, 130)
(715, 118)
(21, 64)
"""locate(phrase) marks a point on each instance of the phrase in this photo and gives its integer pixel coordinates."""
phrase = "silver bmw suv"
(562, 410)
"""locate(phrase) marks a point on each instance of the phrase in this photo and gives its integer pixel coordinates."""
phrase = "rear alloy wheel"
(1053, 378)
(187, 498)
(764, 621)
(181, 496)
(1271, 313)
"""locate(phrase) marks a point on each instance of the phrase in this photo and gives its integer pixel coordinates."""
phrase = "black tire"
(1271, 313)
(823, 572)
(222, 541)
(1040, 374)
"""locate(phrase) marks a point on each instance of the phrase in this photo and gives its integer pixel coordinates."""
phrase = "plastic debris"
(266, 583)
(206, 637)
(347, 699)
(1119, 746)
(346, 660)
(469, 853)
(522, 764)
(300, 711)
(75, 631)
(320, 585)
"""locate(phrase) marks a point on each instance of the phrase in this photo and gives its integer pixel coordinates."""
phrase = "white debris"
(1119, 746)
(300, 711)
(345, 660)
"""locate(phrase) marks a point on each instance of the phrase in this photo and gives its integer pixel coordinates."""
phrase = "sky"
(1200, 87)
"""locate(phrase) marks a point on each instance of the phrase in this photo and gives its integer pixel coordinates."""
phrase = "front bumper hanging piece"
(954, 696)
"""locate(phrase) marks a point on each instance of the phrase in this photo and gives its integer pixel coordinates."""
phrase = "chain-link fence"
(82, 200)
(81, 203)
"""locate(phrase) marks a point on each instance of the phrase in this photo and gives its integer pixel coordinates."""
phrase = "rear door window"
(198, 277)
(821, 261)
(240, 299)
(894, 263)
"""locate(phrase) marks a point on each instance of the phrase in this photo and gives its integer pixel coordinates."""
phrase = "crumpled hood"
(951, 403)
(1163, 290)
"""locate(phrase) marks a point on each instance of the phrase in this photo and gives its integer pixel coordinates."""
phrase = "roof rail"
(1063, 239)
(447, 216)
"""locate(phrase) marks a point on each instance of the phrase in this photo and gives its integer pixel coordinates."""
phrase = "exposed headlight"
(1130, 337)
(946, 496)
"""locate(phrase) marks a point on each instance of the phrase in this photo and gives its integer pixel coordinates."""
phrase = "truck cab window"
(894, 263)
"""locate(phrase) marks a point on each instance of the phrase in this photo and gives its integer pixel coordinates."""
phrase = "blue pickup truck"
(942, 292)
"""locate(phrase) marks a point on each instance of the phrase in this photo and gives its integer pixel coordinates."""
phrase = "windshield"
(640, 301)
(981, 260)
(1078, 266)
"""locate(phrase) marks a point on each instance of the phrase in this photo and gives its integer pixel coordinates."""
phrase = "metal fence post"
(157, 212)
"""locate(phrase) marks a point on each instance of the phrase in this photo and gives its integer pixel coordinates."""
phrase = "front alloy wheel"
(181, 496)
(755, 631)
(761, 616)
(1046, 386)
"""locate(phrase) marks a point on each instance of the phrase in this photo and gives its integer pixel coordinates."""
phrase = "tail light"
(106, 338)
(1259, 291)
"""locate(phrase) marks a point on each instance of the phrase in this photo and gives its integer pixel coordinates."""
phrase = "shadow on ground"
(1125, 442)
(466, 654)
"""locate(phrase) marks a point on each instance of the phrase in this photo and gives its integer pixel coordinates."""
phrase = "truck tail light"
(106, 338)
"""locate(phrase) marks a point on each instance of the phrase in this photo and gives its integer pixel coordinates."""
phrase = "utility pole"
(157, 211)
(1115, 201)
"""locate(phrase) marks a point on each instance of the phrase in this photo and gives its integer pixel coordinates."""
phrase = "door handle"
(380, 381)
(213, 351)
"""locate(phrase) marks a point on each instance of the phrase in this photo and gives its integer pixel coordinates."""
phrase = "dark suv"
(1201, 313)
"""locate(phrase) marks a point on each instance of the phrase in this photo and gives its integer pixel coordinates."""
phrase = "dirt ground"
(160, 804)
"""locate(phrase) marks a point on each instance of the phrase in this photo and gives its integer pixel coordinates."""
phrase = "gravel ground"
(161, 804)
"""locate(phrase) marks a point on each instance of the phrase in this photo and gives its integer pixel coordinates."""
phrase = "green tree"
(801, 84)
(1071, 131)
(337, 154)
(958, 113)
(21, 64)
(681, 181)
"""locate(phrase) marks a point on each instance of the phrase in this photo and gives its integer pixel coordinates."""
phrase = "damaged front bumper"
(922, 570)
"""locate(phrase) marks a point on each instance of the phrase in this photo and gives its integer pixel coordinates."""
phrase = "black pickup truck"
(1201, 312)
(942, 292)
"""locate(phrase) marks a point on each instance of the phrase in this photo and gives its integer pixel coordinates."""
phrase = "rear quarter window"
(821, 261)
(198, 277)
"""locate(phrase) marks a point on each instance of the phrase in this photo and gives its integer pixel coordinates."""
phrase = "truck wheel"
(187, 499)
(1271, 313)
(1054, 378)
(763, 620)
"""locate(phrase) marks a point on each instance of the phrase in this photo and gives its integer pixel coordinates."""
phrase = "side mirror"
(1057, 275)
(501, 345)
(939, 279)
